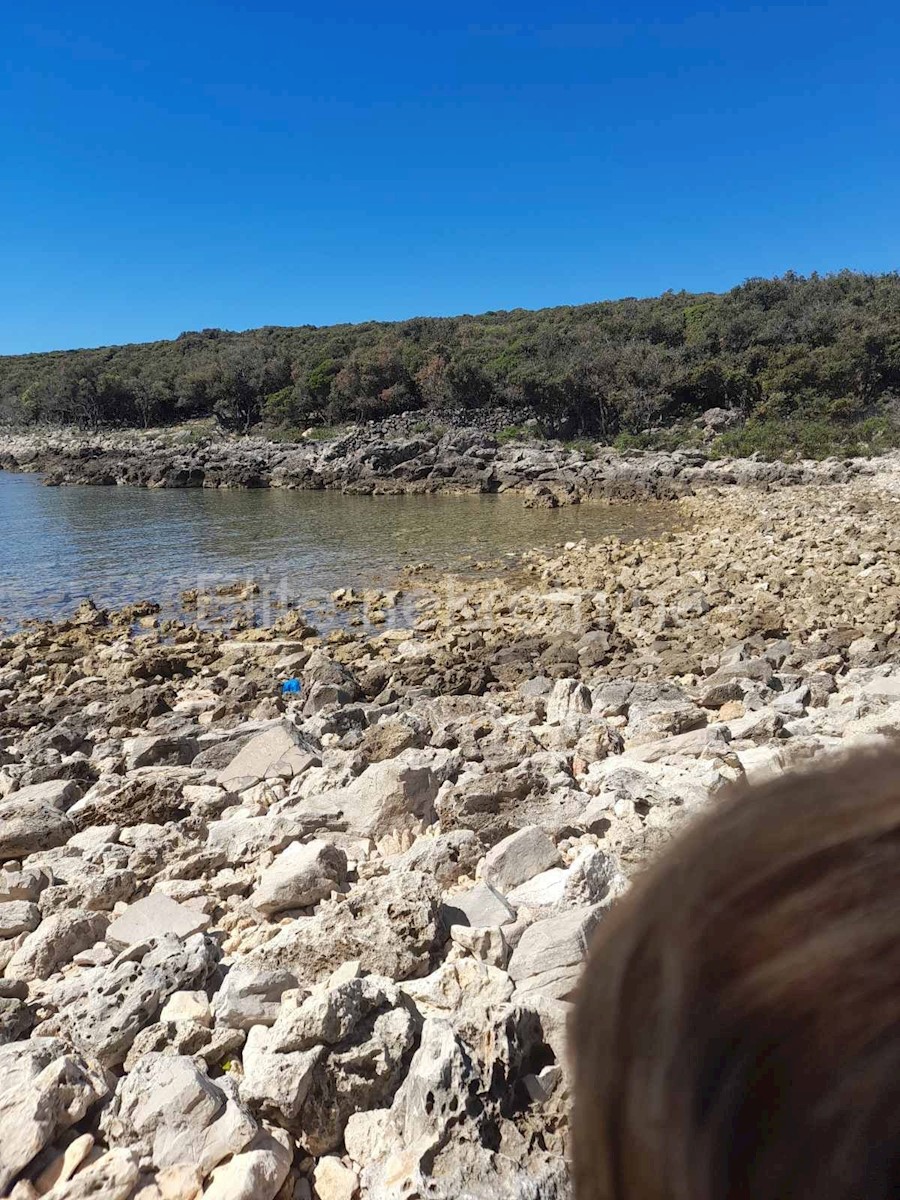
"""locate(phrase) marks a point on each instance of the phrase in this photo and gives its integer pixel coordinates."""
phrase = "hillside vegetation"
(810, 363)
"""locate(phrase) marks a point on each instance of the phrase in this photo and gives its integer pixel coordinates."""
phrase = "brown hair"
(737, 1029)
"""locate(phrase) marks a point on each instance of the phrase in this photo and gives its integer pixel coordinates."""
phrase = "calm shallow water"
(116, 545)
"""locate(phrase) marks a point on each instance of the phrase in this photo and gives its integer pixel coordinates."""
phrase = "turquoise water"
(117, 545)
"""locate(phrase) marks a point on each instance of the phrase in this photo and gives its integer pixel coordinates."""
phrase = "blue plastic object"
(291, 687)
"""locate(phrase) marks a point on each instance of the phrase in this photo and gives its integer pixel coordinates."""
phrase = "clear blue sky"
(174, 166)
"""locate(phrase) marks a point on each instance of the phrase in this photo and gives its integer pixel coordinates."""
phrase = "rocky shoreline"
(324, 944)
(389, 459)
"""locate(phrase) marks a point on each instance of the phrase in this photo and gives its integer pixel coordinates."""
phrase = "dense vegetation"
(791, 355)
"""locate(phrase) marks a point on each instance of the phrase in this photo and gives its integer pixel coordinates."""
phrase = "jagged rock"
(569, 700)
(487, 945)
(390, 924)
(333, 1180)
(26, 884)
(155, 916)
(518, 857)
(112, 1177)
(45, 1088)
(251, 995)
(27, 826)
(301, 875)
(550, 953)
(18, 916)
(168, 1110)
(444, 858)
(193, 1038)
(275, 1082)
(241, 839)
(387, 739)
(257, 1173)
(103, 1009)
(392, 795)
(457, 986)
(329, 1017)
(164, 750)
(55, 942)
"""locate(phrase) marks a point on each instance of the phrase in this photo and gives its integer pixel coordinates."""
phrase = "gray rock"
(257, 1173)
(549, 956)
(326, 1018)
(242, 839)
(391, 795)
(170, 1112)
(102, 1010)
(276, 1083)
(301, 875)
(30, 825)
(45, 1088)
(444, 858)
(55, 942)
(519, 857)
(251, 995)
(18, 916)
(25, 884)
(167, 750)
(482, 906)
(59, 793)
(157, 915)
(277, 753)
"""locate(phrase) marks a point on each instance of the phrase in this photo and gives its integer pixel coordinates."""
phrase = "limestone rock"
(569, 700)
(301, 875)
(518, 857)
(102, 1010)
(170, 1111)
(18, 916)
(155, 916)
(444, 858)
(390, 924)
(550, 954)
(257, 1173)
(44, 1088)
(55, 942)
(30, 825)
(277, 753)
(110, 1177)
(333, 1180)
(251, 995)
(482, 906)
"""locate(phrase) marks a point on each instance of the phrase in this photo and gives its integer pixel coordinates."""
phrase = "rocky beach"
(323, 943)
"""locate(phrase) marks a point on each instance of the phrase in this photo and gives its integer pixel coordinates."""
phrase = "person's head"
(737, 1029)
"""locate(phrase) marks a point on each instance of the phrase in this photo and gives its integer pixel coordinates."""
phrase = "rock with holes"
(102, 1009)
(391, 924)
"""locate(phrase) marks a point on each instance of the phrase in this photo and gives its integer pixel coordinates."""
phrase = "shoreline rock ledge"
(325, 944)
(384, 460)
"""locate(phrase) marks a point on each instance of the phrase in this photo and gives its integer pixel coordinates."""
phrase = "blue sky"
(175, 166)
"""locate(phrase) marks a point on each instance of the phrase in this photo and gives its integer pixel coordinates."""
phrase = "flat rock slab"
(550, 953)
(277, 753)
(481, 906)
(152, 917)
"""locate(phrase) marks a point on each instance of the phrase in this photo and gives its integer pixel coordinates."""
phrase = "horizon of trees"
(823, 348)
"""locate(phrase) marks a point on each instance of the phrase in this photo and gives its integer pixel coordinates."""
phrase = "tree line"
(823, 348)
